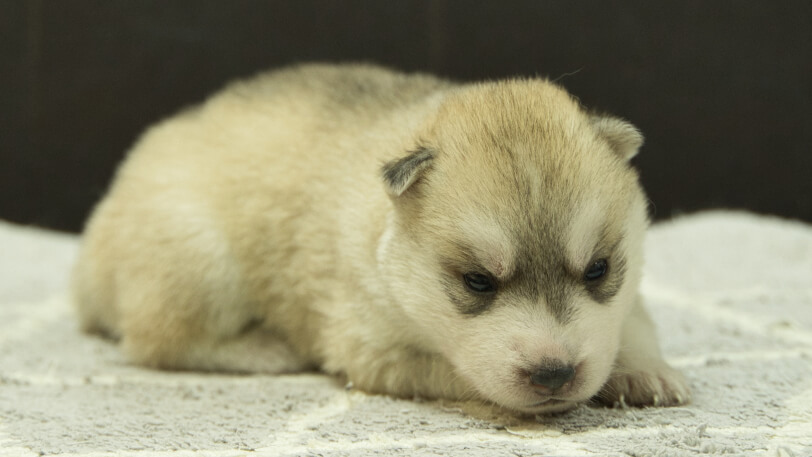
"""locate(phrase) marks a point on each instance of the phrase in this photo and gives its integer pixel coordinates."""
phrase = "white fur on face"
(490, 244)
(584, 232)
(497, 350)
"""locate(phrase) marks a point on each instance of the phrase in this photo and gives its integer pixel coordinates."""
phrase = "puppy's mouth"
(549, 406)
(547, 402)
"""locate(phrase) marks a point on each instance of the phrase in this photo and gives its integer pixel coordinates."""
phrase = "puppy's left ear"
(400, 174)
(622, 136)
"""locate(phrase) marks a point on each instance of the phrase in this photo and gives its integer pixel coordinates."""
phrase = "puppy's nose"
(553, 376)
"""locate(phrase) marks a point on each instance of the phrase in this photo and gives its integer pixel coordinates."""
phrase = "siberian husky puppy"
(415, 236)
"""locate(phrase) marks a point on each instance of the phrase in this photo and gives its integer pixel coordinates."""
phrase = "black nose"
(553, 376)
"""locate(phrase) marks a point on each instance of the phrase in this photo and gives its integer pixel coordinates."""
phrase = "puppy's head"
(515, 245)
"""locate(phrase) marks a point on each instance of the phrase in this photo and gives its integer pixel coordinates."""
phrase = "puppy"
(416, 236)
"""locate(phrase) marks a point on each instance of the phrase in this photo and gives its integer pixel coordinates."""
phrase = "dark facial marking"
(471, 288)
(557, 290)
(557, 284)
(603, 288)
(545, 282)
(466, 301)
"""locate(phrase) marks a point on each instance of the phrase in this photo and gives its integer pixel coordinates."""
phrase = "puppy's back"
(264, 162)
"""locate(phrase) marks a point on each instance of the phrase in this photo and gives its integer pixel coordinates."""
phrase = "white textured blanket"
(730, 292)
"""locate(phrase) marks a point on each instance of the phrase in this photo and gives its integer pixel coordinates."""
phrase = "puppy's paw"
(655, 385)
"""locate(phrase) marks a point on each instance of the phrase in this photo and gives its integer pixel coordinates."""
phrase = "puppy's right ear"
(400, 174)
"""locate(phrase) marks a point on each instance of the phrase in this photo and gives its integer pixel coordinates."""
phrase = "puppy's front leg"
(406, 372)
(641, 377)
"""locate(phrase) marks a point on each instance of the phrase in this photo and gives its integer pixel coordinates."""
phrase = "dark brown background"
(722, 89)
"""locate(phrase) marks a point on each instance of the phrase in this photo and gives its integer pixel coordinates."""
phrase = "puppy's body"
(257, 233)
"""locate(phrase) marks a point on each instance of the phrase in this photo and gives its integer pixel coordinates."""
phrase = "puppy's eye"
(596, 270)
(479, 283)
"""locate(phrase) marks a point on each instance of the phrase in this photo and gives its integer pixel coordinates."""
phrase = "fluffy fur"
(327, 216)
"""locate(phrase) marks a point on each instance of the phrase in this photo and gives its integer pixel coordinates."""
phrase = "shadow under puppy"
(417, 236)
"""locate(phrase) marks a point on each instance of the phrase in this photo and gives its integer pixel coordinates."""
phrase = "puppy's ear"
(623, 137)
(400, 174)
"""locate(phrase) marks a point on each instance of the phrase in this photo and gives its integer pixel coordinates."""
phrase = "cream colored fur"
(324, 216)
